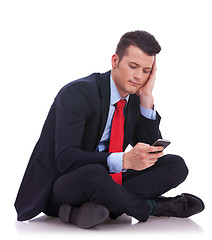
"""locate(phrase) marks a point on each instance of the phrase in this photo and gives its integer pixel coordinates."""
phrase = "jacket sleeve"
(73, 109)
(146, 130)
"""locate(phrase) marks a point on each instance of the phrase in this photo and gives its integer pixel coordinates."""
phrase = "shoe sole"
(64, 213)
(91, 215)
(88, 215)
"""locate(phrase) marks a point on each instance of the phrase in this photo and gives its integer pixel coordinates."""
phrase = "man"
(78, 170)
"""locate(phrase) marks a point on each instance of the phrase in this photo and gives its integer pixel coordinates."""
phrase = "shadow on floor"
(154, 226)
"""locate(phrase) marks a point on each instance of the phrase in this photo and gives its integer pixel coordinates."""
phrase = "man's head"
(141, 39)
(133, 61)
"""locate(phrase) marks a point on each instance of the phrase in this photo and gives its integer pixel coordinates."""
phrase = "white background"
(46, 44)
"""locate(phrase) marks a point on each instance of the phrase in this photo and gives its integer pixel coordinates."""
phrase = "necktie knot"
(120, 104)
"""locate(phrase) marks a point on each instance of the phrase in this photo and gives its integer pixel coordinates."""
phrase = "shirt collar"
(114, 93)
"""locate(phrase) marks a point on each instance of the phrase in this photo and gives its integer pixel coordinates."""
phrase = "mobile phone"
(162, 142)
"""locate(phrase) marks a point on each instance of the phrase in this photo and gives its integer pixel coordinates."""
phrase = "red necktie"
(117, 135)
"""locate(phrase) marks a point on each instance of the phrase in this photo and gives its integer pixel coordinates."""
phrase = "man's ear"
(115, 60)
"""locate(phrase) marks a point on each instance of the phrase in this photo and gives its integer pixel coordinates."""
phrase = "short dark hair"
(141, 39)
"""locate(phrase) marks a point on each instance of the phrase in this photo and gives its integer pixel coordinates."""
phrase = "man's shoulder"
(92, 80)
(89, 85)
(84, 81)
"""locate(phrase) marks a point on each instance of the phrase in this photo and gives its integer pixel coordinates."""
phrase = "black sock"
(152, 206)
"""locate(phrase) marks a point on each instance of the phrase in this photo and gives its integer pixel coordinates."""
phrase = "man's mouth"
(135, 84)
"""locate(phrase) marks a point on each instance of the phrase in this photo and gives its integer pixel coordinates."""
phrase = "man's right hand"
(142, 156)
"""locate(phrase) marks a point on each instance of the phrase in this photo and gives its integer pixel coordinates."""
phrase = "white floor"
(124, 225)
(42, 226)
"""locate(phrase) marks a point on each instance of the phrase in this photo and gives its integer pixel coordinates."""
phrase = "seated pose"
(79, 171)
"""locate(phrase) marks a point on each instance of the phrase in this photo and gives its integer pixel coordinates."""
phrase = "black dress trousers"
(92, 183)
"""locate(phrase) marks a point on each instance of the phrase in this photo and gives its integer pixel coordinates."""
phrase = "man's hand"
(142, 156)
(145, 92)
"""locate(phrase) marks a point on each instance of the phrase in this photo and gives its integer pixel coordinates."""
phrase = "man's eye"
(133, 67)
(146, 71)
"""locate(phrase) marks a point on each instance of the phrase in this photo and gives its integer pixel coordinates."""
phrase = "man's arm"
(74, 108)
(143, 155)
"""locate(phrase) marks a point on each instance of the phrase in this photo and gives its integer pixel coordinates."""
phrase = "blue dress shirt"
(114, 160)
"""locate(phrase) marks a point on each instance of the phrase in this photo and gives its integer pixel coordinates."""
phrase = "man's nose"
(138, 74)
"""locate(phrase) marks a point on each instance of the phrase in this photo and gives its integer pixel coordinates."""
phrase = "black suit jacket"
(70, 135)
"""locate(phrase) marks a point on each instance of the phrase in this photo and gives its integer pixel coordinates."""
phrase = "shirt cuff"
(114, 162)
(148, 113)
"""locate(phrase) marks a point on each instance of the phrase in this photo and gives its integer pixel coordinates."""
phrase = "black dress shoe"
(182, 206)
(87, 216)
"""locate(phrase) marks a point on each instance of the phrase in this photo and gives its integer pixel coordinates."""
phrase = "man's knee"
(178, 168)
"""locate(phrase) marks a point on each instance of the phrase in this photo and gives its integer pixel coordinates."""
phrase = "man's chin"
(133, 91)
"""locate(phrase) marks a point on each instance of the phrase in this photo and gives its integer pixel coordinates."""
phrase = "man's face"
(132, 72)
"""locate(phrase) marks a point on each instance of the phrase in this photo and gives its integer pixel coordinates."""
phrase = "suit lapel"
(130, 119)
(105, 99)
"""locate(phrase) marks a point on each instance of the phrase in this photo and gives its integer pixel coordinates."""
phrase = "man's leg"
(167, 173)
(92, 183)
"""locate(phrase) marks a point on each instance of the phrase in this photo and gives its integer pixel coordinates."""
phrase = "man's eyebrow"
(135, 63)
(147, 68)
(139, 65)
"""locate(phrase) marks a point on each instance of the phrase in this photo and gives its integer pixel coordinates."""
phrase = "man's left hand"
(145, 92)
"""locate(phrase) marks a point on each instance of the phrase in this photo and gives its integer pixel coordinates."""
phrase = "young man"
(78, 170)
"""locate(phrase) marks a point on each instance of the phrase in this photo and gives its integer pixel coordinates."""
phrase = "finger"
(154, 149)
(156, 155)
(151, 163)
(154, 63)
(154, 68)
(153, 160)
